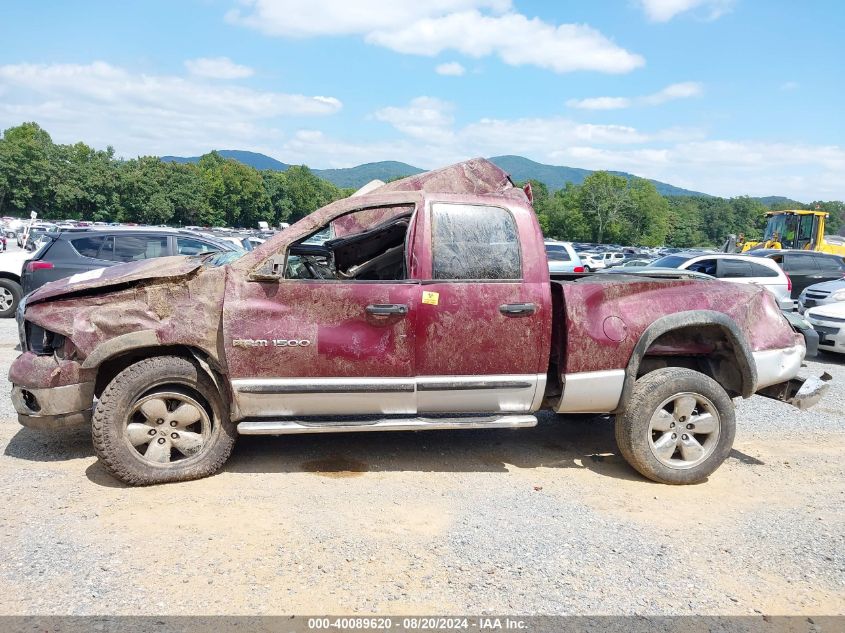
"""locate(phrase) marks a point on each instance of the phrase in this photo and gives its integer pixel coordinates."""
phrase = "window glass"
(799, 262)
(557, 253)
(190, 246)
(827, 263)
(88, 246)
(130, 248)
(474, 242)
(733, 269)
(706, 266)
(670, 261)
(758, 270)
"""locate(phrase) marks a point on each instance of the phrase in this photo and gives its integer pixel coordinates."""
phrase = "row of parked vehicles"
(56, 251)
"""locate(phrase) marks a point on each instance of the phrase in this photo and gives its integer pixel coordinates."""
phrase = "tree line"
(82, 183)
(607, 208)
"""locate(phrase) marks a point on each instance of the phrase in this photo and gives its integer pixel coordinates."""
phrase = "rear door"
(830, 267)
(480, 344)
(802, 269)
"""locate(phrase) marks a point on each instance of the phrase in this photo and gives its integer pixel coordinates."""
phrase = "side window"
(706, 266)
(733, 269)
(88, 246)
(799, 263)
(190, 246)
(130, 248)
(758, 270)
(557, 253)
(474, 242)
(827, 264)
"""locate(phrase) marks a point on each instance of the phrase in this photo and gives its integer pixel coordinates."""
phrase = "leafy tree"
(604, 198)
(297, 192)
(647, 218)
(236, 193)
(25, 155)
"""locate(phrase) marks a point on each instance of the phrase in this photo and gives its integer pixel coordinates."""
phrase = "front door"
(479, 324)
(337, 339)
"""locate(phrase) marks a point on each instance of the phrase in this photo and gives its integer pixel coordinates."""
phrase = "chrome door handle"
(518, 309)
(387, 309)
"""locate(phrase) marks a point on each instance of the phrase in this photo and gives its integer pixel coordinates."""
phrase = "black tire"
(638, 440)
(13, 288)
(145, 379)
(588, 269)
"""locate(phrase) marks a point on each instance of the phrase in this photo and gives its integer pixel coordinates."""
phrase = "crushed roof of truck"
(475, 176)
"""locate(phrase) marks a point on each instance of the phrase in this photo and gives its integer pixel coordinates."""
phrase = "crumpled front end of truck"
(69, 330)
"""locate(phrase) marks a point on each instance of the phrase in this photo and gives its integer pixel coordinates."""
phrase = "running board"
(292, 427)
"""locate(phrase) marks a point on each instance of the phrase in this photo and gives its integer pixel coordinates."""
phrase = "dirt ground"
(547, 520)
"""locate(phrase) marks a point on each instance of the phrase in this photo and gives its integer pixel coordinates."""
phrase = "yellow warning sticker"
(431, 298)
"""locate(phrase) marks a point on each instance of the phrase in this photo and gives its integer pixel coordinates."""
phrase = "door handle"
(518, 309)
(387, 309)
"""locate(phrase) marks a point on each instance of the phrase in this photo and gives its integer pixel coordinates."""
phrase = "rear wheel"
(161, 420)
(678, 426)
(10, 296)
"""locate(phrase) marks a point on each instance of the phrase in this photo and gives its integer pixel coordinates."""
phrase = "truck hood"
(121, 275)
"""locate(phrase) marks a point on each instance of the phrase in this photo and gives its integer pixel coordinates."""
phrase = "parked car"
(804, 268)
(829, 322)
(820, 294)
(78, 251)
(563, 258)
(432, 297)
(592, 262)
(11, 263)
(636, 263)
(735, 269)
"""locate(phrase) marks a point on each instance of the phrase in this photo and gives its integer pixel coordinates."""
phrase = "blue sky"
(728, 97)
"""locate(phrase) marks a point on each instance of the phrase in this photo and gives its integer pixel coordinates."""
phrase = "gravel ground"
(534, 521)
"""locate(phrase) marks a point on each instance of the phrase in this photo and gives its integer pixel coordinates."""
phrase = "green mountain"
(553, 176)
(253, 159)
(362, 174)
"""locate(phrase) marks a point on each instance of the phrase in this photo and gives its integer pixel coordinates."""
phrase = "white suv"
(741, 269)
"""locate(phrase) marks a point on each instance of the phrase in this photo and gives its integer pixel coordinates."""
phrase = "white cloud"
(665, 10)
(476, 28)
(139, 113)
(425, 118)
(600, 103)
(452, 69)
(218, 68)
(683, 90)
(789, 86)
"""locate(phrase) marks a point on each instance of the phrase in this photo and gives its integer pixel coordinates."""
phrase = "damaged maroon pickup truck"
(425, 303)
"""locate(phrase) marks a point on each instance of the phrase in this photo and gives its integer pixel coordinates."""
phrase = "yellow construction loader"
(801, 229)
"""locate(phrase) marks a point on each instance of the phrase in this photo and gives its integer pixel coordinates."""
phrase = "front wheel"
(678, 426)
(162, 420)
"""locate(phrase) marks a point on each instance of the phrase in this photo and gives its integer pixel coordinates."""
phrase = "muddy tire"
(162, 420)
(10, 296)
(678, 426)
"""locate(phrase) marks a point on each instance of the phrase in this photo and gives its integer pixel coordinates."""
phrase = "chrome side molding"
(292, 427)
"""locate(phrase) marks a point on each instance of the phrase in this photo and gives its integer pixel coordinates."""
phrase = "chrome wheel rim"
(684, 430)
(167, 426)
(6, 299)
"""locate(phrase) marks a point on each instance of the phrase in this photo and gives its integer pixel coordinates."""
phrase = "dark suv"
(805, 268)
(72, 252)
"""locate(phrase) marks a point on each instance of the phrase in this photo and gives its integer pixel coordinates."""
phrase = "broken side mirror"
(272, 270)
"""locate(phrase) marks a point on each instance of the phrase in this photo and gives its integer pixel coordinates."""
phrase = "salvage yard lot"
(543, 520)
